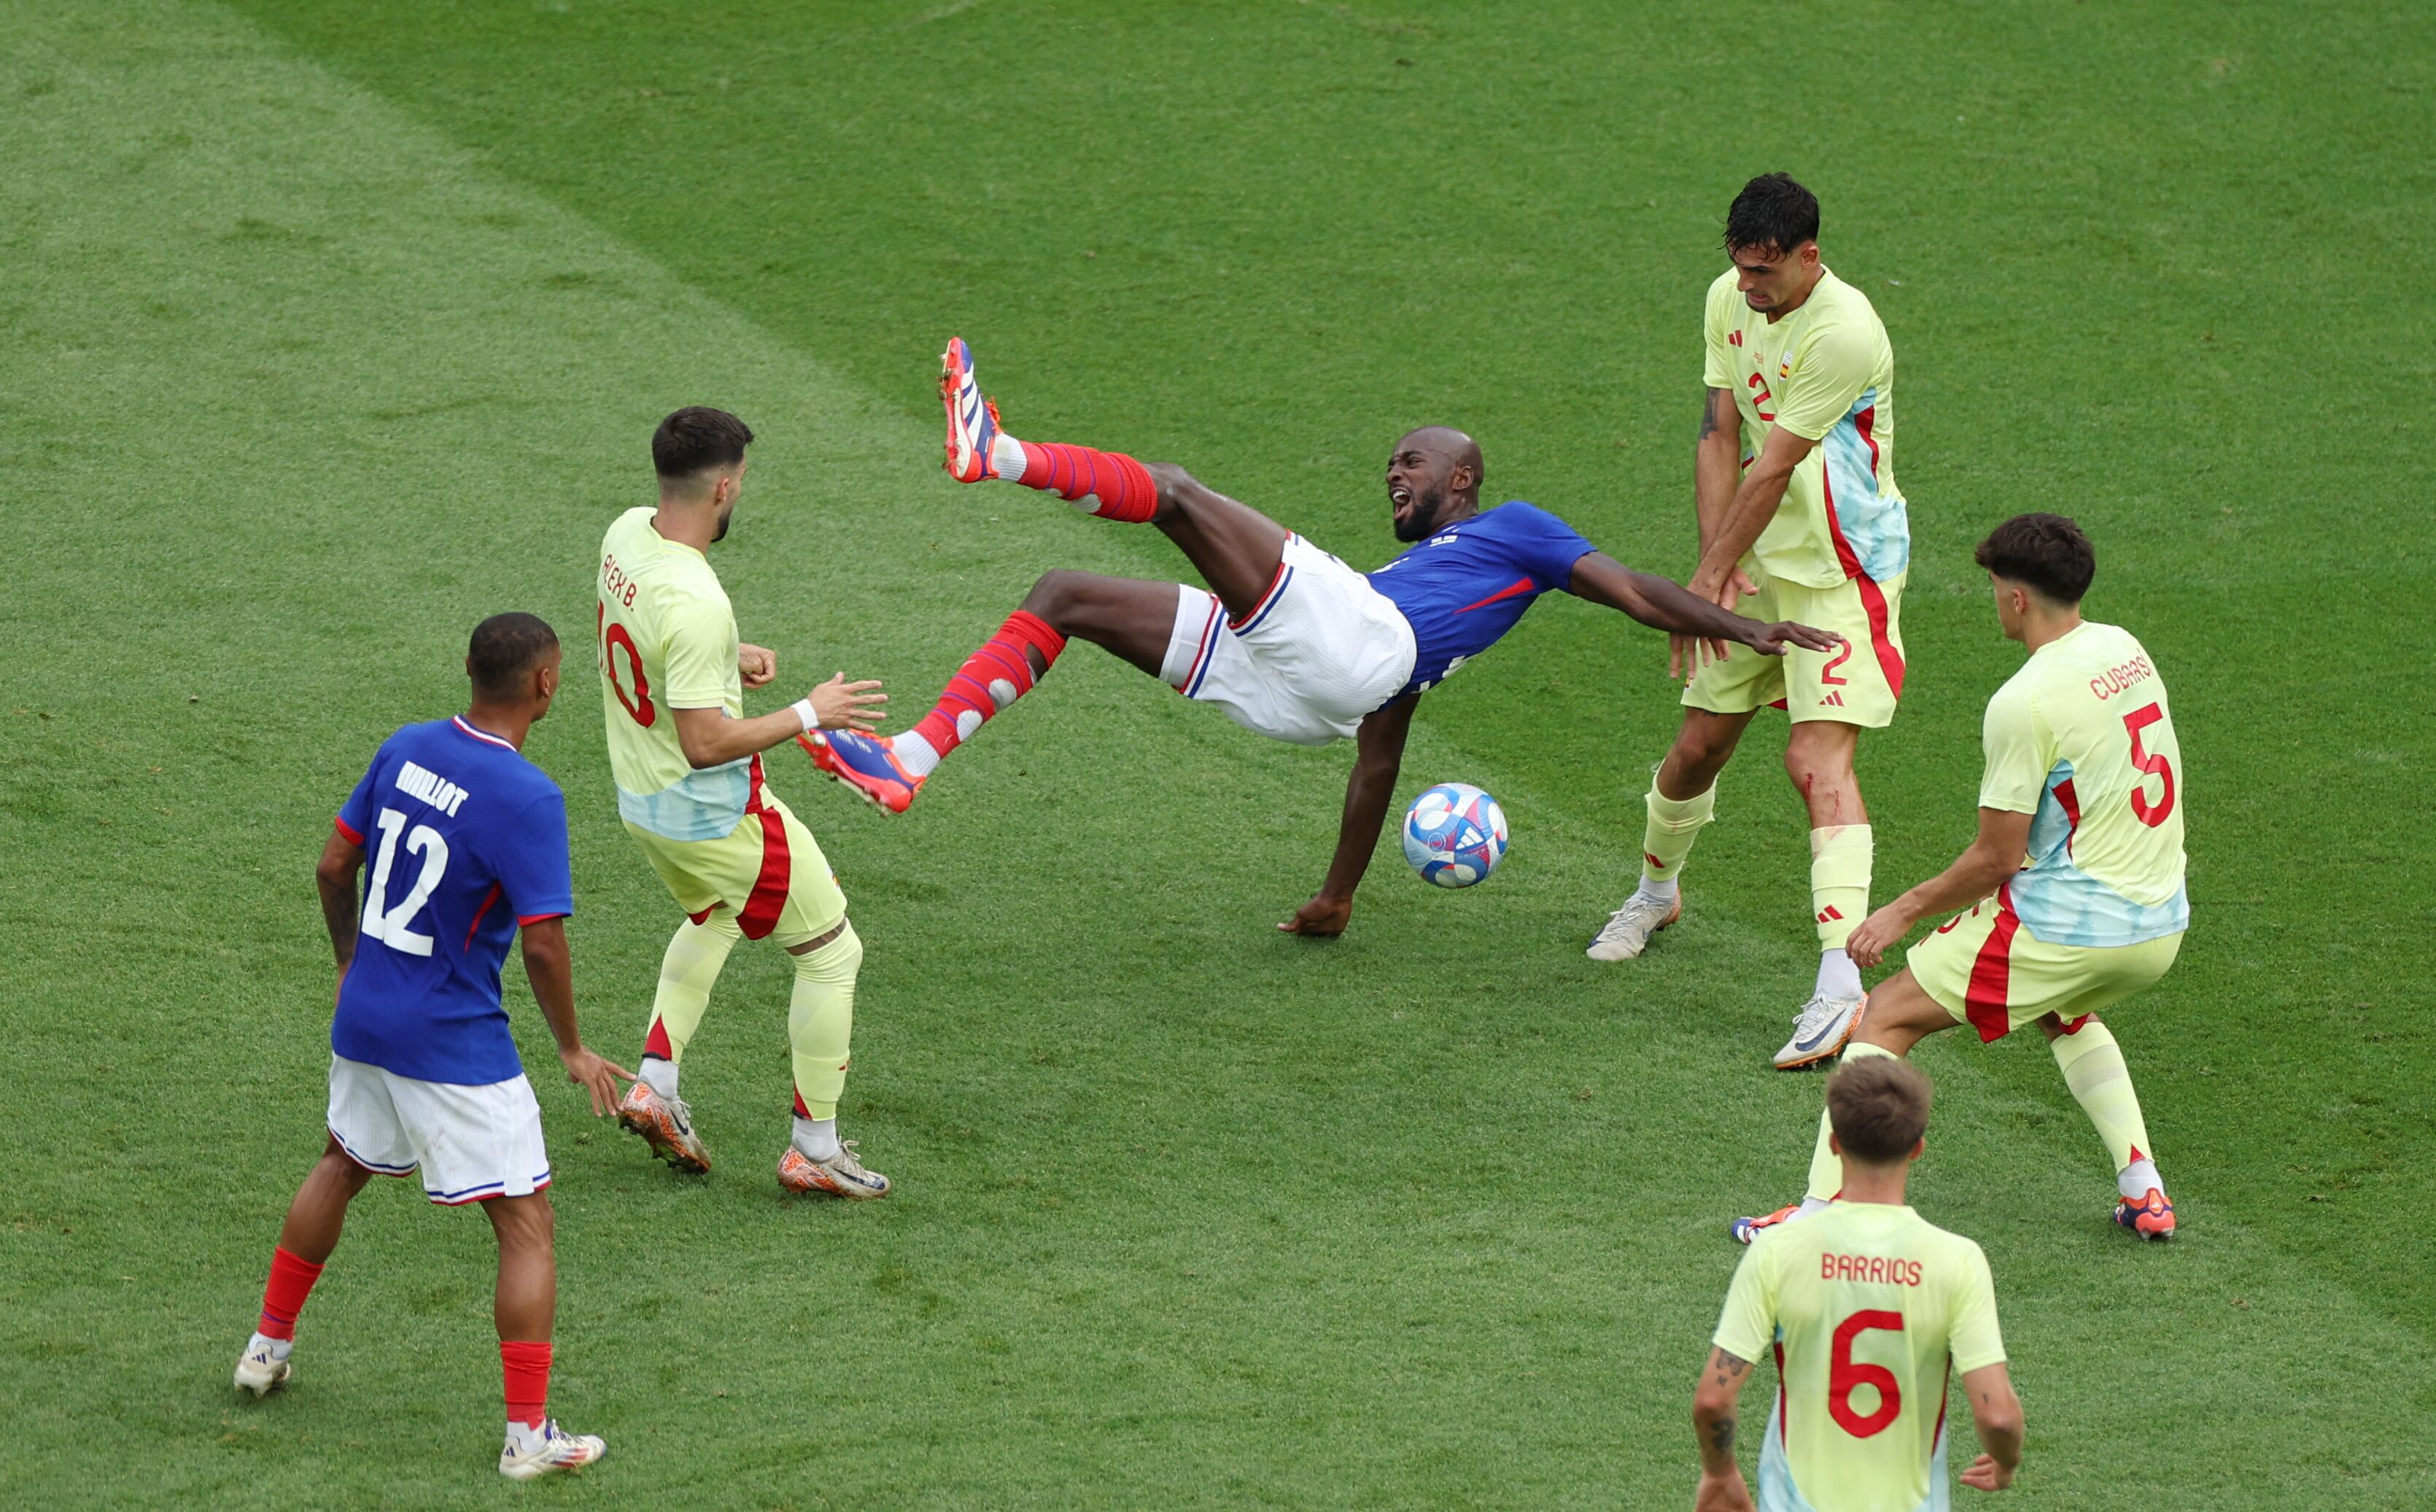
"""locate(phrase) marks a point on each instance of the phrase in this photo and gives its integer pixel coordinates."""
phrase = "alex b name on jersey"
(1879, 1268)
(437, 791)
(615, 584)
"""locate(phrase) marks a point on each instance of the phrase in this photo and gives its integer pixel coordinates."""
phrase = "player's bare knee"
(1055, 596)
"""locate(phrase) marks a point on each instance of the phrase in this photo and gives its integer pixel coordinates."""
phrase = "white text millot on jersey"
(438, 792)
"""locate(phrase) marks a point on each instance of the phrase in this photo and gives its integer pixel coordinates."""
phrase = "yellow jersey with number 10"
(666, 640)
(2082, 739)
(1868, 1308)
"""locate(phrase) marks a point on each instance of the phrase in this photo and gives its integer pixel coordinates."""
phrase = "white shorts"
(470, 1143)
(1321, 650)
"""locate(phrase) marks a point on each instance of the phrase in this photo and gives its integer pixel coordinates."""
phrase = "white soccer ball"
(1454, 835)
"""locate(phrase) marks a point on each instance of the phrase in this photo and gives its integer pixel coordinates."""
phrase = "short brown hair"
(697, 438)
(2046, 551)
(1878, 1109)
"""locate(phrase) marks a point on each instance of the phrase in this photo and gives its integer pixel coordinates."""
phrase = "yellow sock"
(820, 1023)
(1826, 1166)
(1674, 824)
(2093, 1067)
(1839, 882)
(687, 972)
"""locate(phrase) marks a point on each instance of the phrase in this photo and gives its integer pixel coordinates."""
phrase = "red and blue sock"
(1121, 485)
(993, 677)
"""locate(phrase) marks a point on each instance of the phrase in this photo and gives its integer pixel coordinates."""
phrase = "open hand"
(595, 1075)
(757, 665)
(1323, 917)
(1985, 1474)
(838, 705)
(1771, 640)
(1877, 934)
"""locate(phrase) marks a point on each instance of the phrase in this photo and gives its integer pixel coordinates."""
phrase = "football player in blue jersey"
(1287, 639)
(467, 840)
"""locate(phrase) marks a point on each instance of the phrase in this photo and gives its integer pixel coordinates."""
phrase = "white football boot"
(1627, 929)
(1820, 1030)
(259, 1371)
(555, 1449)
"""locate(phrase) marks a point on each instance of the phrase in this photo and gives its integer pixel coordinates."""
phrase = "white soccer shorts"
(470, 1143)
(1321, 650)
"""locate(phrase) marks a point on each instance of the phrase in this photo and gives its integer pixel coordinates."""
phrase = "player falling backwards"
(1867, 1308)
(689, 786)
(1794, 480)
(468, 847)
(1288, 640)
(2073, 891)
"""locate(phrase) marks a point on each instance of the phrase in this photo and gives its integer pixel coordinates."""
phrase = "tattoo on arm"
(1709, 414)
(1721, 1436)
(1730, 1367)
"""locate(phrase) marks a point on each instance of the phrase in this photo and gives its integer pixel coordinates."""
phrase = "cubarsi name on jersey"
(438, 792)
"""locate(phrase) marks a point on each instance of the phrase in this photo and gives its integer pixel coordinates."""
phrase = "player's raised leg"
(526, 1309)
(305, 1239)
(2093, 1068)
(1110, 484)
(689, 969)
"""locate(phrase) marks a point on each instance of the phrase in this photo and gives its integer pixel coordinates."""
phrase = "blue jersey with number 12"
(1468, 582)
(466, 841)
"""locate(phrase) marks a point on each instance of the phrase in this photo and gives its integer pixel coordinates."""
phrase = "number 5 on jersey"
(2150, 764)
(394, 927)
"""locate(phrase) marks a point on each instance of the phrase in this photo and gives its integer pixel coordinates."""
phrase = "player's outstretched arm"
(1995, 855)
(552, 974)
(1996, 1413)
(1378, 755)
(1663, 605)
(334, 879)
(711, 738)
(1715, 1406)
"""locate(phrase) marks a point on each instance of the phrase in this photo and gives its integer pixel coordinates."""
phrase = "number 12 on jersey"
(394, 926)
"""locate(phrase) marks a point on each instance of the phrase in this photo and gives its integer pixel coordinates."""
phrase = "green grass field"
(333, 325)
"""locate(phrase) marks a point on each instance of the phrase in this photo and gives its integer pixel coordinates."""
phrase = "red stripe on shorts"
(1991, 974)
(1874, 599)
(759, 914)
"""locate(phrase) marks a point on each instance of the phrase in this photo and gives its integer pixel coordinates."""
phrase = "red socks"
(525, 1365)
(998, 673)
(1122, 484)
(291, 1281)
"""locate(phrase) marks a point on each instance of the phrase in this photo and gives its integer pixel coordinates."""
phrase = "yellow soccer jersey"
(667, 641)
(1866, 1306)
(2082, 739)
(1826, 372)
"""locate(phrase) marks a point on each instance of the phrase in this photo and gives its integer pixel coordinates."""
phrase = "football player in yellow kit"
(693, 795)
(1869, 1309)
(2072, 897)
(1794, 483)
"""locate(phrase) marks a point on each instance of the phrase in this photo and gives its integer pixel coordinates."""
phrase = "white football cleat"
(260, 1372)
(556, 1450)
(839, 1175)
(1820, 1030)
(1627, 929)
